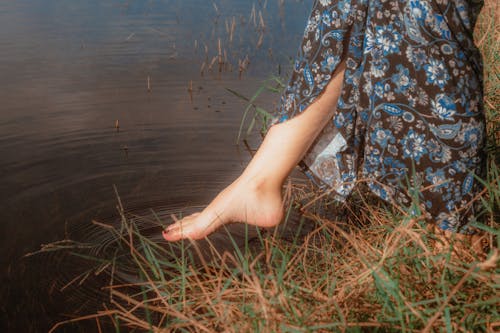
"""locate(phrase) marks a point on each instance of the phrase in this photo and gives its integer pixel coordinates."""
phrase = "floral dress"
(410, 120)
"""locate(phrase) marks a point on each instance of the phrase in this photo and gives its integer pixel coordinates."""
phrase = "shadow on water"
(72, 72)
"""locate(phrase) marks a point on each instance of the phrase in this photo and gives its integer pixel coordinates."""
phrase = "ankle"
(261, 183)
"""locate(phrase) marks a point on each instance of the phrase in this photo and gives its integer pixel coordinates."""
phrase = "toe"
(177, 223)
(194, 226)
(181, 229)
(171, 236)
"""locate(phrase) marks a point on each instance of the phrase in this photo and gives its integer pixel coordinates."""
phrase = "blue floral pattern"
(410, 114)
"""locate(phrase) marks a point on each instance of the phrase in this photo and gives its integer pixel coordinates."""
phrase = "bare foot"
(243, 201)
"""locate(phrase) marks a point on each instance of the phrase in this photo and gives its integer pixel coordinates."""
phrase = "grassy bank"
(374, 268)
(386, 276)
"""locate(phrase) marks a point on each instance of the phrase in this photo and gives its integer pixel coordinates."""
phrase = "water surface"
(69, 71)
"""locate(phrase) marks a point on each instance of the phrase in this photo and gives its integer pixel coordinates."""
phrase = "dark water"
(68, 71)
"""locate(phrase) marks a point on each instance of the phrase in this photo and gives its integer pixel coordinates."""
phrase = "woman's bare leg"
(255, 197)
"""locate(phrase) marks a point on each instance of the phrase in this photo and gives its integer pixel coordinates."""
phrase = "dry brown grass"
(384, 275)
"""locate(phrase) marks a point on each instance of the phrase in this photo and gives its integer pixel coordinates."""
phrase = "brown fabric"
(410, 118)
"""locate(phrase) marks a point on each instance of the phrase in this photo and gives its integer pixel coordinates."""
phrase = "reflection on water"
(69, 70)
